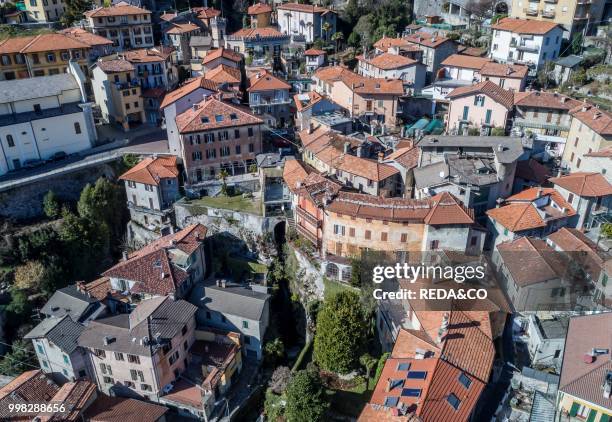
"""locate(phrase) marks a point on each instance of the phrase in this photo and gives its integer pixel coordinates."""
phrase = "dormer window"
(204, 119)
(218, 118)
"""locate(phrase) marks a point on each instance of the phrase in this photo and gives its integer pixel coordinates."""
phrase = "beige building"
(590, 131)
(572, 15)
(126, 25)
(118, 93)
(45, 10)
(142, 352)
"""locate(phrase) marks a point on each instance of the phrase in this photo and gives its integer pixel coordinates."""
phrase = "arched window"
(77, 127)
(10, 141)
(332, 271)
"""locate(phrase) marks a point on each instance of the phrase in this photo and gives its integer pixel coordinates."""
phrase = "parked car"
(30, 164)
(60, 155)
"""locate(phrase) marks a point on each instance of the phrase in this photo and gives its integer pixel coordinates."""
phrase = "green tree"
(74, 11)
(498, 131)
(367, 361)
(103, 203)
(337, 38)
(341, 333)
(29, 275)
(354, 39)
(223, 175)
(355, 272)
(273, 406)
(130, 160)
(326, 27)
(19, 306)
(51, 205)
(19, 359)
(606, 230)
(305, 398)
(274, 351)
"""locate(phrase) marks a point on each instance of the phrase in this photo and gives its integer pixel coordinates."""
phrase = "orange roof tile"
(512, 71)
(524, 26)
(148, 55)
(214, 114)
(266, 32)
(313, 98)
(188, 88)
(86, 37)
(517, 217)
(314, 52)
(266, 81)
(119, 9)
(446, 209)
(222, 52)
(406, 156)
(545, 100)
(600, 121)
(150, 171)
(224, 74)
(388, 61)
(384, 43)
(259, 8)
(468, 62)
(584, 184)
(115, 65)
(298, 7)
(294, 172)
(495, 92)
(119, 409)
(532, 171)
(42, 42)
(206, 12)
(182, 28)
(427, 40)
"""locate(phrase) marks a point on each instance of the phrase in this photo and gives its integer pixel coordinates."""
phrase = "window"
(435, 244)
(383, 236)
(453, 400)
(352, 231)
(133, 359)
(250, 131)
(473, 240)
(41, 350)
(465, 380)
(108, 380)
(237, 149)
(251, 147)
(245, 324)
(66, 359)
(10, 141)
(145, 387)
(236, 133)
(119, 356)
(578, 161)
(174, 357)
(37, 109)
(223, 319)
(391, 401)
(77, 128)
(106, 369)
(411, 392)
(339, 230)
(100, 353)
(136, 375)
(368, 234)
(570, 198)
(129, 384)
(45, 364)
(224, 151)
(185, 345)
(404, 237)
(6, 60)
(416, 375)
(51, 57)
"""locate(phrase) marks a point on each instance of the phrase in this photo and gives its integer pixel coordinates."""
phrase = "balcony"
(269, 101)
(551, 1)
(531, 12)
(549, 14)
(584, 2)
(308, 217)
(147, 210)
(302, 231)
(527, 48)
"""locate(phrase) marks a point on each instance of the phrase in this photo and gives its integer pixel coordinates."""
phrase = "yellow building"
(45, 10)
(41, 55)
(126, 25)
(590, 131)
(572, 15)
(118, 92)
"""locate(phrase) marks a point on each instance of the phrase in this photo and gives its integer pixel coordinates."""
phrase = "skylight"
(391, 401)
(403, 366)
(453, 400)
(464, 380)
(218, 118)
(417, 375)
(204, 119)
(411, 392)
(233, 116)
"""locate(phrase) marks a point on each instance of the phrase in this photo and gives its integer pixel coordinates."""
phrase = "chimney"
(539, 194)
(381, 157)
(388, 385)
(443, 328)
(223, 283)
(195, 106)
(310, 128)
(218, 283)
(163, 275)
(563, 100)
(125, 255)
(347, 147)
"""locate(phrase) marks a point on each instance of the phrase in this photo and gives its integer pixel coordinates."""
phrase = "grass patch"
(243, 268)
(234, 203)
(350, 400)
(332, 287)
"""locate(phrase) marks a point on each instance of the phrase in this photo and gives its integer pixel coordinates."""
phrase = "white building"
(546, 339)
(44, 116)
(393, 66)
(306, 20)
(314, 59)
(528, 42)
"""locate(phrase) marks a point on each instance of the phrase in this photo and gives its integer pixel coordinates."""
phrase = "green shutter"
(604, 418)
(592, 415)
(574, 409)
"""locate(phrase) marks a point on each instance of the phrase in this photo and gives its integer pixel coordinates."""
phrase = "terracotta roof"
(206, 12)
(314, 52)
(303, 8)
(495, 92)
(584, 184)
(468, 62)
(259, 8)
(42, 42)
(579, 378)
(119, 9)
(224, 74)
(408, 157)
(266, 32)
(524, 26)
(532, 171)
(384, 43)
(294, 172)
(182, 28)
(29, 387)
(513, 71)
(446, 209)
(605, 152)
(98, 288)
(370, 169)
(545, 100)
(151, 171)
(426, 39)
(152, 268)
(75, 396)
(168, 16)
(148, 55)
(214, 114)
(600, 121)
(222, 52)
(473, 51)
(85, 37)
(313, 98)
(265, 81)
(115, 65)
(388, 61)
(188, 88)
(531, 261)
(119, 409)
(521, 213)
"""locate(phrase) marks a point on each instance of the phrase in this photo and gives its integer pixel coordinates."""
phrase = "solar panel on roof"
(391, 401)
(411, 392)
(403, 366)
(417, 375)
